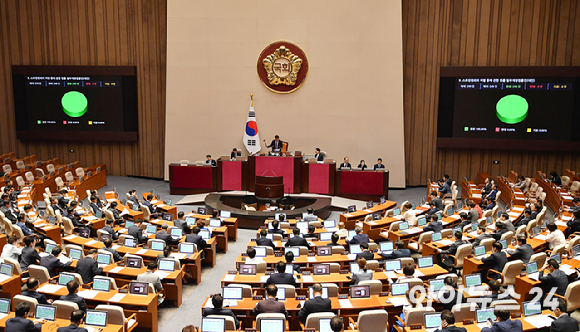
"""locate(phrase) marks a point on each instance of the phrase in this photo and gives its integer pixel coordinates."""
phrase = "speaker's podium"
(269, 187)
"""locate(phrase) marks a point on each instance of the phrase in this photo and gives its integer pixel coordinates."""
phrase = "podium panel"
(231, 175)
(362, 184)
(287, 167)
(185, 180)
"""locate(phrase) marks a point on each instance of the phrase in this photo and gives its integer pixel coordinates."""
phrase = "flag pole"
(252, 99)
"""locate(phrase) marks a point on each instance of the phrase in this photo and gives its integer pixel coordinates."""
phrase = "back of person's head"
(310, 210)
(362, 263)
(334, 238)
(409, 270)
(434, 217)
(448, 316)
(289, 256)
(20, 217)
(561, 305)
(196, 230)
(113, 205)
(56, 251)
(458, 235)
(493, 285)
(364, 246)
(463, 215)
(336, 324)
(358, 229)
(217, 300)
(408, 205)
(251, 252)
(149, 197)
(263, 233)
(576, 214)
(31, 283)
(311, 229)
(482, 228)
(282, 217)
(499, 225)
(152, 265)
(180, 214)
(109, 221)
(502, 314)
(166, 251)
(22, 309)
(497, 246)
(522, 238)
(271, 290)
(189, 328)
(553, 263)
(449, 281)
(433, 193)
(93, 251)
(296, 231)
(108, 242)
(505, 216)
(164, 226)
(13, 239)
(552, 227)
(528, 212)
(317, 288)
(276, 223)
(471, 204)
(77, 316)
(431, 203)
(139, 221)
(280, 267)
(28, 240)
(72, 286)
(399, 244)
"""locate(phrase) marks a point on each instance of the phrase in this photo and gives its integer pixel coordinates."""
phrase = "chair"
(406, 261)
(312, 320)
(15, 265)
(112, 282)
(64, 308)
(462, 252)
(510, 271)
(108, 253)
(446, 233)
(338, 250)
(376, 286)
(17, 231)
(507, 236)
(446, 209)
(184, 162)
(8, 227)
(69, 177)
(495, 211)
(149, 241)
(29, 177)
(146, 213)
(116, 316)
(68, 247)
(290, 290)
(268, 315)
(415, 316)
(20, 182)
(80, 172)
(332, 289)
(510, 305)
(50, 168)
(574, 241)
(520, 230)
(20, 164)
(413, 282)
(559, 249)
(334, 267)
(394, 226)
(123, 237)
(59, 183)
(565, 180)
(261, 267)
(67, 226)
(39, 272)
(572, 296)
(487, 243)
(21, 298)
(464, 311)
(269, 250)
(7, 169)
(575, 186)
(372, 321)
(540, 258)
(372, 264)
(276, 237)
(199, 163)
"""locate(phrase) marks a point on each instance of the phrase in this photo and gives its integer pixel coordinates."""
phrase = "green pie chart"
(512, 109)
(74, 104)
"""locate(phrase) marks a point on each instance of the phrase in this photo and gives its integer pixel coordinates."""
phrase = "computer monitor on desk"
(96, 318)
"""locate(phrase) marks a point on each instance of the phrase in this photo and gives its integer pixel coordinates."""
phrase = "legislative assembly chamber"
(286, 166)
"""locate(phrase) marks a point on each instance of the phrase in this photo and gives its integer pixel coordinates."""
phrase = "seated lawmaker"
(152, 208)
(218, 301)
(359, 237)
(446, 261)
(310, 216)
(311, 235)
(281, 278)
(555, 178)
(252, 259)
(72, 296)
(270, 304)
(379, 164)
(574, 223)
(109, 229)
(20, 321)
(334, 240)
(399, 251)
(317, 155)
(363, 273)
(297, 240)
(563, 323)
(437, 200)
(556, 279)
(555, 236)
(435, 226)
(489, 203)
(365, 253)
(447, 323)
(289, 257)
(32, 291)
(496, 261)
(264, 241)
(317, 304)
(345, 164)
(444, 188)
(432, 209)
(52, 263)
(76, 319)
(503, 323)
(276, 227)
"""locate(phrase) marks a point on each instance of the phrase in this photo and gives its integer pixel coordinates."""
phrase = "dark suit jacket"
(136, 232)
(453, 297)
(150, 206)
(358, 239)
(317, 304)
(486, 190)
(134, 200)
(275, 146)
(497, 235)
(29, 256)
(197, 239)
(223, 312)
(367, 255)
(163, 235)
(438, 203)
(62, 202)
(573, 226)
(211, 162)
(111, 231)
(262, 241)
(36, 295)
(434, 226)
(505, 326)
(452, 328)
(52, 263)
(297, 241)
(281, 279)
(88, 268)
(276, 231)
(8, 214)
(557, 279)
(399, 253)
(19, 324)
(76, 299)
(55, 207)
(71, 328)
(95, 208)
(345, 165)
(179, 223)
(270, 306)
(116, 256)
(564, 323)
(496, 261)
(444, 189)
(379, 166)
(319, 157)
(452, 251)
(432, 211)
(524, 253)
(523, 221)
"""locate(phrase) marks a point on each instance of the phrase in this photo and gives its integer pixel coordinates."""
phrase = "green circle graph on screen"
(512, 109)
(74, 104)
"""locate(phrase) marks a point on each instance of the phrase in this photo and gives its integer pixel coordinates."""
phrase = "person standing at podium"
(317, 155)
(234, 154)
(345, 164)
(276, 144)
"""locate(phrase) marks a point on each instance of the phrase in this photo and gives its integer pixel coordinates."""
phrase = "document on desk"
(91, 242)
(263, 279)
(476, 195)
(539, 321)
(4, 277)
(386, 234)
(123, 231)
(63, 259)
(117, 297)
(482, 325)
(311, 259)
(567, 197)
(49, 288)
(398, 301)
(116, 269)
(307, 279)
(566, 217)
(351, 257)
(414, 230)
(116, 246)
(88, 294)
(142, 251)
(91, 218)
(517, 208)
(70, 237)
(162, 275)
(372, 223)
(418, 274)
(345, 303)
(455, 216)
(474, 234)
(445, 242)
(561, 223)
(391, 275)
(177, 255)
(348, 215)
(567, 269)
(540, 237)
(229, 277)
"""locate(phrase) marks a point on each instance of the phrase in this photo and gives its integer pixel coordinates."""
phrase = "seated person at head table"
(136, 231)
(399, 251)
(363, 273)
(362, 165)
(133, 198)
(575, 204)
(29, 253)
(310, 215)
(270, 305)
(234, 154)
(503, 323)
(289, 257)
(563, 322)
(317, 304)
(555, 236)
(359, 237)
(489, 203)
(11, 249)
(76, 319)
(311, 235)
(334, 240)
(32, 291)
(345, 164)
(210, 161)
(556, 279)
(444, 259)
(252, 259)
(481, 235)
(162, 234)
(379, 165)
(20, 322)
(447, 180)
(276, 144)
(555, 178)
(109, 247)
(435, 225)
(447, 323)
(450, 292)
(88, 267)
(342, 231)
(496, 261)
(437, 200)
(526, 218)
(488, 185)
(264, 241)
(521, 184)
(52, 263)
(150, 277)
(408, 273)
(276, 226)
(574, 223)
(365, 253)
(504, 218)
(218, 301)
(194, 237)
(72, 296)
(317, 155)
(297, 240)
(432, 209)
(281, 278)
(443, 188)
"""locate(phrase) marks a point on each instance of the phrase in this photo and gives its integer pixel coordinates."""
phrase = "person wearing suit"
(149, 276)
(54, 205)
(536, 208)
(345, 164)
(435, 226)
(163, 235)
(22, 324)
(493, 193)
(575, 205)
(88, 267)
(7, 210)
(496, 261)
(447, 323)
(436, 200)
(473, 214)
(252, 259)
(289, 257)
(152, 208)
(379, 165)
(136, 231)
(481, 235)
(444, 188)
(195, 238)
(499, 231)
(334, 238)
(317, 155)
(73, 288)
(504, 218)
(311, 235)
(133, 197)
(180, 221)
(365, 253)
(109, 229)
(489, 203)
(362, 165)
(297, 240)
(115, 212)
(556, 279)
(76, 319)
(317, 304)
(29, 254)
(276, 227)
(94, 205)
(488, 186)
(574, 223)
(62, 201)
(52, 263)
(359, 237)
(432, 209)
(525, 220)
(281, 278)
(503, 323)
(276, 144)
(494, 287)
(399, 251)
(465, 220)
(563, 322)
(555, 178)
(109, 247)
(446, 261)
(363, 273)
(310, 216)
(450, 292)
(210, 161)
(218, 301)
(32, 286)
(524, 251)
(264, 241)
(234, 154)
(447, 180)
(270, 305)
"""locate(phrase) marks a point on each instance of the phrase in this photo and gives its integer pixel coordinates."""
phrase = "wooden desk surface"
(304, 259)
(53, 326)
(361, 214)
(128, 299)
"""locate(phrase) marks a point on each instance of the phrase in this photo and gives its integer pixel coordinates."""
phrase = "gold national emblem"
(282, 67)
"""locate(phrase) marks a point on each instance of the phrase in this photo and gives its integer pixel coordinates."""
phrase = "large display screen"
(531, 108)
(75, 103)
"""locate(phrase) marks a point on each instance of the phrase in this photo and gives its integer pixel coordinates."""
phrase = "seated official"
(76, 319)
(276, 227)
(487, 187)
(109, 247)
(20, 322)
(556, 279)
(359, 237)
(72, 296)
(489, 204)
(504, 218)
(444, 188)
(481, 235)
(336, 324)
(317, 155)
(166, 253)
(563, 322)
(574, 223)
(133, 198)
(136, 231)
(32, 291)
(11, 249)
(345, 164)
(399, 251)
(451, 293)
(379, 164)
(152, 208)
(195, 238)
(165, 236)
(29, 253)
(209, 161)
(234, 154)
(432, 209)
(264, 241)
(536, 208)
(180, 221)
(555, 178)
(408, 273)
(342, 231)
(446, 261)
(276, 144)
(412, 303)
(297, 240)
(475, 211)
(95, 192)
(525, 220)
(94, 205)
(437, 200)
(310, 215)
(365, 253)
(555, 236)
(52, 263)
(311, 235)
(362, 165)
(524, 251)
(521, 184)
(447, 180)
(115, 212)
(409, 214)
(363, 273)
(447, 323)
(252, 259)
(218, 301)
(494, 295)
(281, 278)
(435, 225)
(334, 240)
(149, 276)
(575, 204)
(289, 257)
(499, 231)
(270, 305)
(88, 267)
(464, 220)
(317, 304)
(503, 323)
(109, 224)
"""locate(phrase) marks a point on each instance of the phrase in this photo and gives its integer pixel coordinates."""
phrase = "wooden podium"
(269, 187)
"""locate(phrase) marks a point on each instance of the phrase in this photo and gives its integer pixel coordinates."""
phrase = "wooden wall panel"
(90, 32)
(479, 33)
